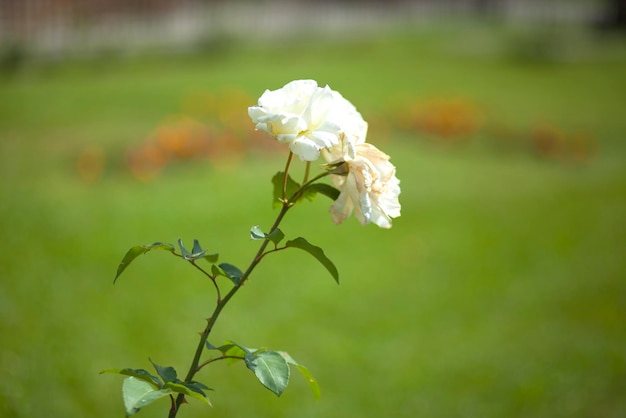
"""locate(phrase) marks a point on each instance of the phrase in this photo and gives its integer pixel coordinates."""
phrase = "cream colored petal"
(341, 209)
(323, 139)
(286, 124)
(305, 149)
(371, 186)
(256, 113)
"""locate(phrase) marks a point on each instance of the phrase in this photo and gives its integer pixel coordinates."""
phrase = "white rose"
(307, 117)
(351, 122)
(370, 189)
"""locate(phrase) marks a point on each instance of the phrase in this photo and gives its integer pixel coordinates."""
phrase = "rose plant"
(316, 122)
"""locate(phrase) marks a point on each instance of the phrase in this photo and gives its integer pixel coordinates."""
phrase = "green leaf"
(238, 349)
(276, 236)
(185, 253)
(216, 271)
(316, 252)
(167, 373)
(223, 348)
(197, 386)
(196, 247)
(271, 368)
(136, 251)
(210, 346)
(232, 272)
(277, 182)
(256, 233)
(197, 252)
(322, 188)
(138, 393)
(185, 390)
(312, 382)
(138, 373)
(231, 349)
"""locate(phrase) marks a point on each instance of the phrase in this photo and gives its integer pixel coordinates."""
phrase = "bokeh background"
(500, 292)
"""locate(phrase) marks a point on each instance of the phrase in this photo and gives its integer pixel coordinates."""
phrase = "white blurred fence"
(89, 26)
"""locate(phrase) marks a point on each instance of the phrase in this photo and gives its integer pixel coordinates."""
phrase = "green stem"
(298, 194)
(210, 276)
(286, 176)
(195, 363)
(194, 368)
(200, 366)
(306, 172)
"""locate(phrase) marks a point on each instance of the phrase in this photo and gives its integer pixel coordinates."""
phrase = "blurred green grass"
(499, 292)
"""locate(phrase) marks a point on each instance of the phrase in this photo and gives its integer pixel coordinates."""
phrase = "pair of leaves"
(138, 393)
(141, 388)
(225, 269)
(276, 237)
(270, 367)
(292, 187)
(195, 254)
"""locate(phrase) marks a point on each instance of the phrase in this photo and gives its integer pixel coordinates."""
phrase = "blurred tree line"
(53, 28)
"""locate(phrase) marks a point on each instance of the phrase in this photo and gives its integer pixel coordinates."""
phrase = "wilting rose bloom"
(370, 189)
(307, 117)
